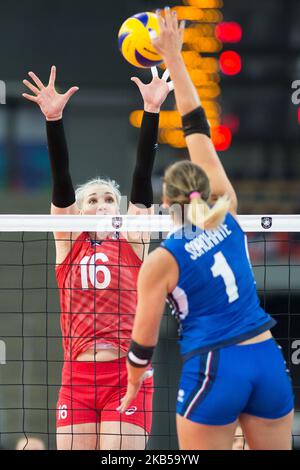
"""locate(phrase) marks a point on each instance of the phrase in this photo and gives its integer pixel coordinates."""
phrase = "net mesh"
(31, 354)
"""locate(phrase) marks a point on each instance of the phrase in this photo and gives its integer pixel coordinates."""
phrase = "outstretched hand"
(155, 92)
(169, 42)
(50, 102)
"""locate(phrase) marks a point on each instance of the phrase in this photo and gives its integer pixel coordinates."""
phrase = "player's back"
(215, 298)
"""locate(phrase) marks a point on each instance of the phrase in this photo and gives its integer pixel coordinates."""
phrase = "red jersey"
(98, 294)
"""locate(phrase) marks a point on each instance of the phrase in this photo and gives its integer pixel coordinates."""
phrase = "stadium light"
(205, 3)
(230, 63)
(229, 32)
(221, 137)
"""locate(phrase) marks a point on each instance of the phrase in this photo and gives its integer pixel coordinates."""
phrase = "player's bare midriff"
(101, 355)
(258, 339)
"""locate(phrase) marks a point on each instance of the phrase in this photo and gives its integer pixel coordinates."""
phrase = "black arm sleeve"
(141, 189)
(63, 194)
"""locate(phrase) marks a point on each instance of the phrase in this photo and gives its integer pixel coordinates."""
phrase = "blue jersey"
(215, 300)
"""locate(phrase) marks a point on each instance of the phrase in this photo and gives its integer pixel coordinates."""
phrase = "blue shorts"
(216, 387)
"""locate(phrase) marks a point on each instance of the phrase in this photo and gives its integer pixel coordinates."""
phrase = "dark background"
(82, 42)
(263, 163)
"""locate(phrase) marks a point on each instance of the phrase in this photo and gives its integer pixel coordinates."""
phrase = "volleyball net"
(31, 353)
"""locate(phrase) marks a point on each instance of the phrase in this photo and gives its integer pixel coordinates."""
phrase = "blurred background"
(81, 41)
(255, 47)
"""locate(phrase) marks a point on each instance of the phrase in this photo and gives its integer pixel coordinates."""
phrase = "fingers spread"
(30, 97)
(168, 17)
(36, 79)
(170, 86)
(154, 72)
(161, 20)
(181, 29)
(182, 24)
(166, 75)
(31, 87)
(71, 92)
(52, 77)
(137, 81)
(174, 20)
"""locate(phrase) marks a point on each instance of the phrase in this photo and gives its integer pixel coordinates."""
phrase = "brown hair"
(184, 178)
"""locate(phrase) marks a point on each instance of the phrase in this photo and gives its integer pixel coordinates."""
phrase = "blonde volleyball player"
(232, 367)
(97, 275)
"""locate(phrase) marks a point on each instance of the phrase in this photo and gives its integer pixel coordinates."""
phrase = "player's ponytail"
(187, 184)
(202, 216)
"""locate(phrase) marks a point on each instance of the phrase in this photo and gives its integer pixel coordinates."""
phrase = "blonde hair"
(184, 178)
(79, 193)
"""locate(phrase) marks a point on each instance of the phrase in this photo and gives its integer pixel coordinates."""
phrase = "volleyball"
(135, 41)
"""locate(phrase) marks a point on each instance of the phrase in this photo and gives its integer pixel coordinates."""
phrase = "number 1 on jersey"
(222, 268)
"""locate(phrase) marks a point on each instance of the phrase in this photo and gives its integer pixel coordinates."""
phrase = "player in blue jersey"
(233, 369)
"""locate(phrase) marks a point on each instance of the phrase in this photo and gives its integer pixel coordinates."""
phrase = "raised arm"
(52, 105)
(141, 196)
(200, 146)
(154, 95)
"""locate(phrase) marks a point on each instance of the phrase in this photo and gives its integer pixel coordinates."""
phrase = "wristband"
(195, 122)
(138, 355)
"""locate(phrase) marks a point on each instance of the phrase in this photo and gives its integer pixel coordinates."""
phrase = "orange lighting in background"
(172, 119)
(207, 45)
(230, 63)
(221, 137)
(229, 32)
(203, 29)
(209, 93)
(172, 137)
(204, 3)
(211, 106)
(205, 34)
(204, 79)
(189, 13)
(212, 16)
(167, 119)
(196, 14)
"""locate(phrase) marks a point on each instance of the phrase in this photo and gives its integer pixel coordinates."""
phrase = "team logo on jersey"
(266, 222)
(117, 222)
(131, 411)
(180, 396)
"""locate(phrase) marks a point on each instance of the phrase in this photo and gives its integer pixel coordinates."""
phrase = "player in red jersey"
(96, 275)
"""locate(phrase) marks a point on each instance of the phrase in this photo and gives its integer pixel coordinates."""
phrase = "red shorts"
(91, 392)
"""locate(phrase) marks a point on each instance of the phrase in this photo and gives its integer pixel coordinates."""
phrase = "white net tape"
(130, 223)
